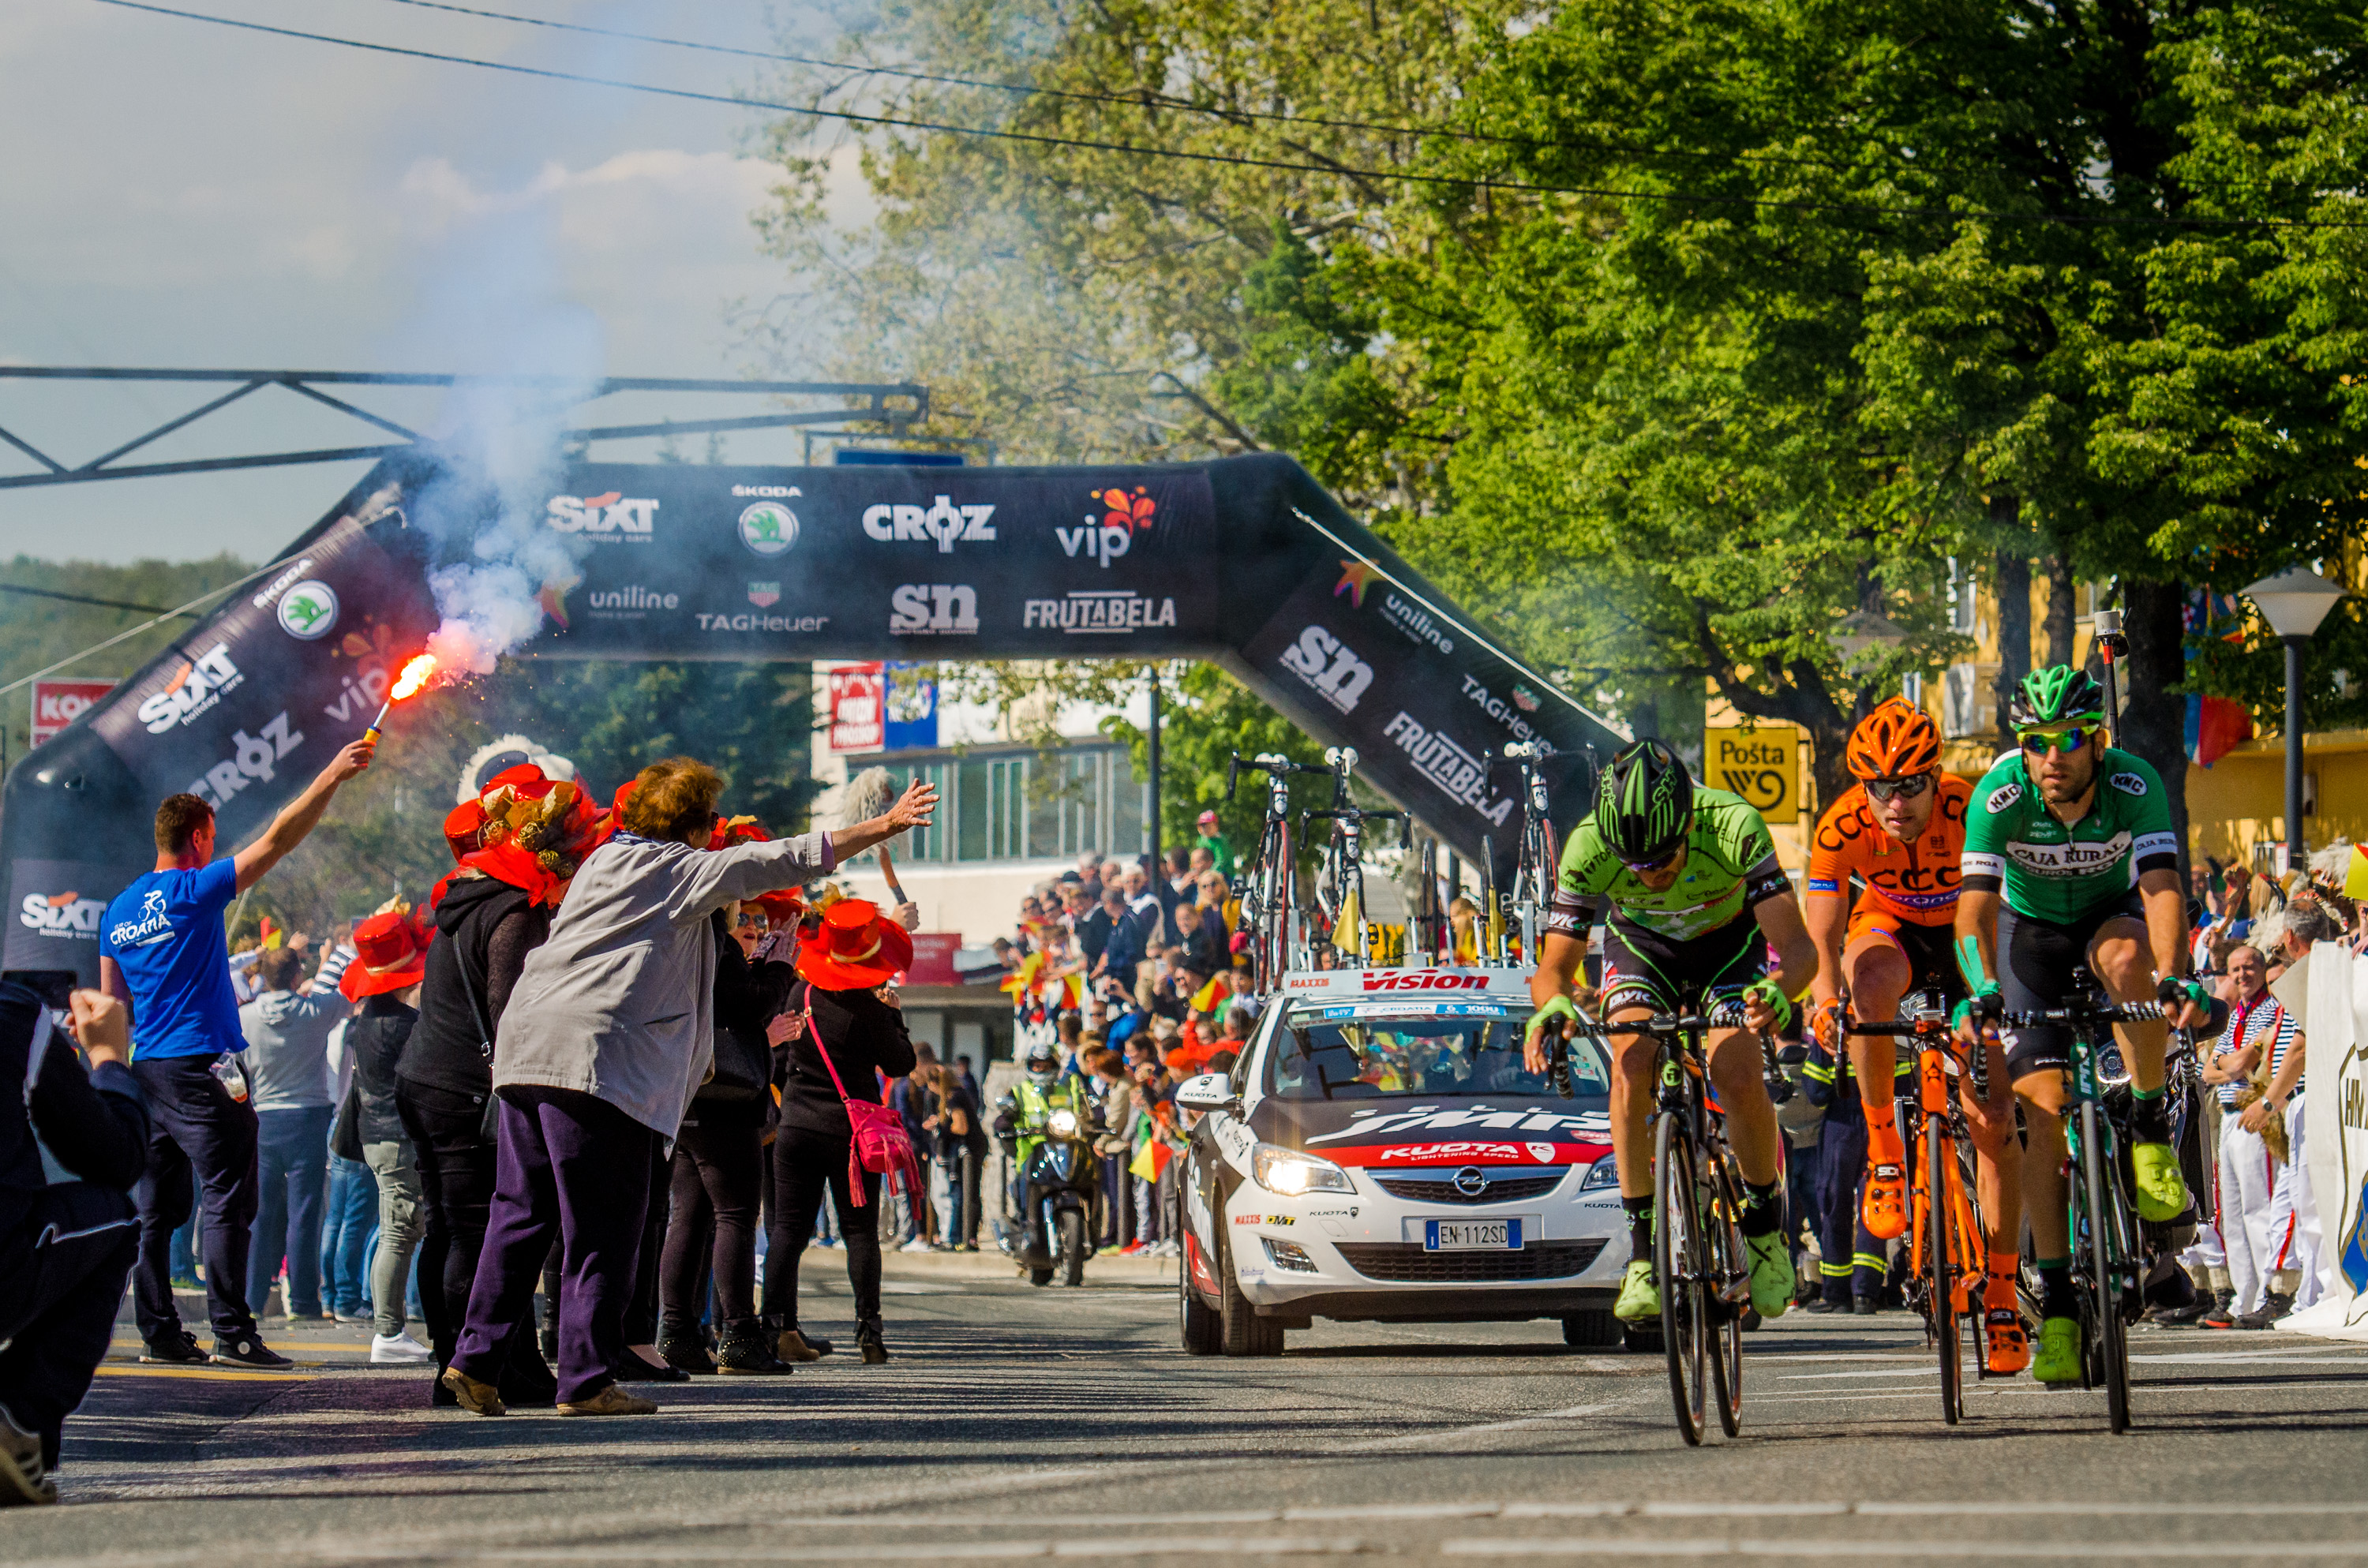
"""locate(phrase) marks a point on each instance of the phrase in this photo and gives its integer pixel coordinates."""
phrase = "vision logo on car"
(1424, 980)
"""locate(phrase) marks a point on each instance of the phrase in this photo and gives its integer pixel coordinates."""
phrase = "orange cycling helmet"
(1895, 741)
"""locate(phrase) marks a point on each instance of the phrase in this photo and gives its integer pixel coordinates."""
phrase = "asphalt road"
(1019, 1423)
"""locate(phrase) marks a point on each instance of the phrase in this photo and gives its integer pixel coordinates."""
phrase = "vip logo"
(764, 596)
(1105, 536)
(918, 609)
(768, 529)
(943, 522)
(1329, 665)
(60, 914)
(195, 687)
(606, 517)
(309, 611)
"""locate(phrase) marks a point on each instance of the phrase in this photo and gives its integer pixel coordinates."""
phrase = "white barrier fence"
(2329, 993)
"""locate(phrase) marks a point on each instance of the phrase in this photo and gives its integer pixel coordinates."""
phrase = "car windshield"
(1366, 1051)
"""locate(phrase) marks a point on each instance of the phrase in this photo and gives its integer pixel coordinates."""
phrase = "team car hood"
(1476, 1129)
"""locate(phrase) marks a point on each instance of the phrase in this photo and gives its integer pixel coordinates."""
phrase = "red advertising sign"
(933, 959)
(858, 708)
(57, 703)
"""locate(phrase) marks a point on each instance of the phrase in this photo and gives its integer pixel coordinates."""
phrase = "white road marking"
(2051, 1550)
(1455, 1434)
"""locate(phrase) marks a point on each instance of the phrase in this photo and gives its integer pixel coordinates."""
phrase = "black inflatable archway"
(1245, 562)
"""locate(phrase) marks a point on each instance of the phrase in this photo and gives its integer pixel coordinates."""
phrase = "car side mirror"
(1209, 1091)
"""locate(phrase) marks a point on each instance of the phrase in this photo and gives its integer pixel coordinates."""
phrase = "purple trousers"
(578, 1165)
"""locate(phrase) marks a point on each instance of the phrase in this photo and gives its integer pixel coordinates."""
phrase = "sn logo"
(1328, 665)
(917, 609)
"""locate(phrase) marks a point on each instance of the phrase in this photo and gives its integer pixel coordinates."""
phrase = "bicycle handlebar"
(1269, 762)
(2082, 1012)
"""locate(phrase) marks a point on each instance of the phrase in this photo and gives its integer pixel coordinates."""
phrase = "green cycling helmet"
(2060, 693)
(1644, 803)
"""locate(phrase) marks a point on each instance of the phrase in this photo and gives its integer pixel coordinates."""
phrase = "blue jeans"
(350, 1223)
(293, 1165)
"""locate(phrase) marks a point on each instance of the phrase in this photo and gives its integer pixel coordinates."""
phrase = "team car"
(1378, 1153)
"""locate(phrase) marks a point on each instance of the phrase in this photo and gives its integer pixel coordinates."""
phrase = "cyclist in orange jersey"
(1897, 833)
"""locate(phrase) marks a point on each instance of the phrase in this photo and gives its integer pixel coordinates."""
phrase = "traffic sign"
(1763, 765)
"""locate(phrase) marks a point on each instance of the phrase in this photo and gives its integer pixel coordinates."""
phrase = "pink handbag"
(880, 1143)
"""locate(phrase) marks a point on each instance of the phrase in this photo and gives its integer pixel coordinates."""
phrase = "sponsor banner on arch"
(53, 911)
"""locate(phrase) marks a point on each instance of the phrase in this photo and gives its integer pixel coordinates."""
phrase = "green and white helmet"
(1645, 803)
(2060, 693)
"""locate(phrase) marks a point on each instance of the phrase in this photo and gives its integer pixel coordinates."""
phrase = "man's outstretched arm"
(300, 815)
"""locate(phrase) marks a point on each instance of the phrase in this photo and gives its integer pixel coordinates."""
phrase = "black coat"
(865, 1036)
(747, 997)
(374, 1042)
(484, 929)
(95, 1123)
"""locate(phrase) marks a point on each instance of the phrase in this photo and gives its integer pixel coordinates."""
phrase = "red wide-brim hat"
(856, 949)
(390, 956)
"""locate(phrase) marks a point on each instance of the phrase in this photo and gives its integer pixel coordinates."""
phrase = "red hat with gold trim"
(857, 948)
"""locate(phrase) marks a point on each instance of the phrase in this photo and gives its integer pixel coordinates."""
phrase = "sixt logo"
(60, 914)
(1424, 980)
(195, 687)
(943, 522)
(1110, 535)
(1330, 666)
(918, 609)
(607, 518)
(252, 760)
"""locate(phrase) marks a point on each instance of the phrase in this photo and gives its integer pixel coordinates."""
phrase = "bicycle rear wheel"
(1725, 1295)
(2107, 1227)
(1677, 1263)
(1939, 1217)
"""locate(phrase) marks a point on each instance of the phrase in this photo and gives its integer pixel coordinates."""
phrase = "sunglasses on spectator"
(1905, 789)
(2063, 741)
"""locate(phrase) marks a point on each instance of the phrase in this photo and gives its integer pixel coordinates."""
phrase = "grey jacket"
(618, 1002)
(287, 1055)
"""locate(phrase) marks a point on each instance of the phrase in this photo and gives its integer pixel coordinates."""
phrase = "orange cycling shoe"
(2010, 1346)
(1883, 1210)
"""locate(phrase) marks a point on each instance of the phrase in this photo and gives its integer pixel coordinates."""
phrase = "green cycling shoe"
(2057, 1362)
(1640, 1298)
(2162, 1191)
(1772, 1281)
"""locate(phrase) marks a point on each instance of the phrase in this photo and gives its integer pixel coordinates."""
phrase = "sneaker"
(1772, 1273)
(2058, 1361)
(1883, 1210)
(354, 1318)
(23, 1480)
(610, 1401)
(181, 1351)
(2161, 1192)
(1640, 1295)
(2222, 1316)
(1824, 1304)
(1132, 1248)
(248, 1350)
(2010, 1347)
(1165, 1249)
(398, 1349)
(916, 1245)
(1865, 1306)
(478, 1399)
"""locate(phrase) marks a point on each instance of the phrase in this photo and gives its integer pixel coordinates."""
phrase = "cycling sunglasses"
(1663, 864)
(2065, 742)
(1905, 789)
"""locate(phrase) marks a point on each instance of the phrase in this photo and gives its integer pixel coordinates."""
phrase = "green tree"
(1206, 718)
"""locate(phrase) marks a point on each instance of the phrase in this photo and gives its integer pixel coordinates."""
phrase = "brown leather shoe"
(794, 1345)
(610, 1401)
(480, 1399)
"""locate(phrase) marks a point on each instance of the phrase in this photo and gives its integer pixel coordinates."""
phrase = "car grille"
(1411, 1264)
(1441, 1188)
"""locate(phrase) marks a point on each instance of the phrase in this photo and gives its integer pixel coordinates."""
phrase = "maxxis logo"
(67, 914)
(943, 522)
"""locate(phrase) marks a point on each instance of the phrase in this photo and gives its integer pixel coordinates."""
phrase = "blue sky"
(186, 194)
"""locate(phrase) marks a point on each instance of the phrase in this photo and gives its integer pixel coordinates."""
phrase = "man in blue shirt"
(162, 951)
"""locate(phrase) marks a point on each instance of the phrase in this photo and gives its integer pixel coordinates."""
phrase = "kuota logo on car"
(606, 519)
(1459, 775)
(1429, 1153)
(769, 529)
(252, 760)
(67, 914)
(918, 609)
(1330, 667)
(195, 687)
(943, 522)
(1091, 611)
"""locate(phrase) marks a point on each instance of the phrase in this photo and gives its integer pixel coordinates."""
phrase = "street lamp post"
(2293, 603)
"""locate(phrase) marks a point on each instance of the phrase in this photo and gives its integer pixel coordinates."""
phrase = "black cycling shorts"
(2037, 958)
(1642, 969)
(1933, 954)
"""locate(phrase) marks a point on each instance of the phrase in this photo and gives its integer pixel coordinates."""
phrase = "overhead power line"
(82, 599)
(1337, 171)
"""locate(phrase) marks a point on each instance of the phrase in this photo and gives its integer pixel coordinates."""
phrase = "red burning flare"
(416, 673)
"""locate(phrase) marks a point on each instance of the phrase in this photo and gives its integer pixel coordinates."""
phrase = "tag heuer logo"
(768, 528)
(764, 596)
(308, 611)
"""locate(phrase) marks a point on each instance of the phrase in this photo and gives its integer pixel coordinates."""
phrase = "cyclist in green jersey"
(2070, 858)
(1696, 902)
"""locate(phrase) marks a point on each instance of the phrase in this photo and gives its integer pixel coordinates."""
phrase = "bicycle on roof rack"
(1340, 867)
(1269, 902)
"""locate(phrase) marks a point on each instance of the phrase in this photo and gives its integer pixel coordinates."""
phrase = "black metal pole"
(1158, 868)
(2294, 752)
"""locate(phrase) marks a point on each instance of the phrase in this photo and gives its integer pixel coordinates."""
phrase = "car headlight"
(1289, 1172)
(1061, 1123)
(1605, 1171)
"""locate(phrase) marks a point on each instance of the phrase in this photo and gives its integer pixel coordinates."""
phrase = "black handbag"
(346, 1137)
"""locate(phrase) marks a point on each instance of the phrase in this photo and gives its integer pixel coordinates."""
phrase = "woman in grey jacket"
(606, 1039)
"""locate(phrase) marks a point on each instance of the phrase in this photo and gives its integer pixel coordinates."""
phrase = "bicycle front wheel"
(1726, 1294)
(2107, 1226)
(1677, 1266)
(1939, 1217)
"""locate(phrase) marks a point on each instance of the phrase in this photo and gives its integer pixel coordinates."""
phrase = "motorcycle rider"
(1021, 1113)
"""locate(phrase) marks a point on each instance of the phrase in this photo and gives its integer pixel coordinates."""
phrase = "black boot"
(869, 1341)
(686, 1352)
(747, 1351)
(526, 1381)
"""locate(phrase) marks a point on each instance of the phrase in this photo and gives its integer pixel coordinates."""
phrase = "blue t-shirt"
(165, 932)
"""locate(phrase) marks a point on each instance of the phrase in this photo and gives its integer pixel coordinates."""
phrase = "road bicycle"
(1340, 869)
(1699, 1260)
(2109, 1258)
(1535, 857)
(1948, 1246)
(1268, 904)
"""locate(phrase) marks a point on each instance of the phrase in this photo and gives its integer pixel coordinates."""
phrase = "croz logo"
(2069, 860)
(919, 609)
(1098, 611)
(309, 611)
(2129, 784)
(1106, 537)
(1424, 980)
(60, 914)
(153, 923)
(1458, 773)
(252, 760)
(194, 687)
(944, 522)
(1328, 665)
(606, 518)
(766, 528)
(2004, 796)
(1506, 713)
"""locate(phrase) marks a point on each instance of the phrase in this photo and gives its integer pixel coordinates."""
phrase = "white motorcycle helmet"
(1043, 1064)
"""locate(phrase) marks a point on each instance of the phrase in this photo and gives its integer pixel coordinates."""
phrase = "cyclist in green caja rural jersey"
(1696, 899)
(2070, 859)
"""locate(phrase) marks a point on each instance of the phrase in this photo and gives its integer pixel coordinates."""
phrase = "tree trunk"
(2062, 605)
(2153, 723)
(2013, 619)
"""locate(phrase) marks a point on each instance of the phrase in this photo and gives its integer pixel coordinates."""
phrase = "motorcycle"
(1057, 1167)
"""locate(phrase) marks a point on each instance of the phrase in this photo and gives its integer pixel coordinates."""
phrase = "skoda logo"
(1470, 1181)
(768, 528)
(308, 610)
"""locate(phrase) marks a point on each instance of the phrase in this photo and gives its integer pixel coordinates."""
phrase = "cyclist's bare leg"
(1879, 975)
(2119, 961)
(1751, 1131)
(2042, 1095)
(1997, 1181)
(1634, 1084)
